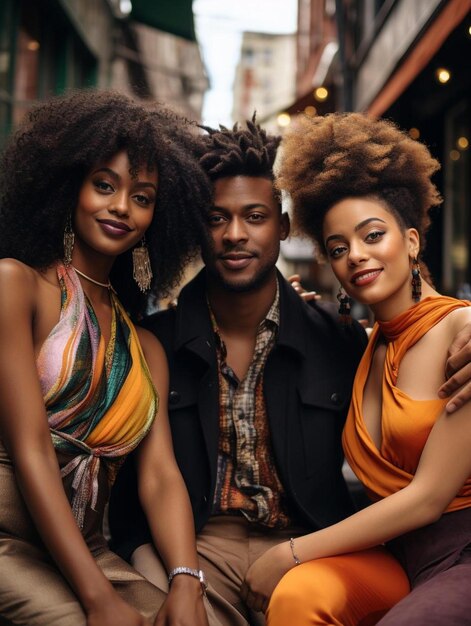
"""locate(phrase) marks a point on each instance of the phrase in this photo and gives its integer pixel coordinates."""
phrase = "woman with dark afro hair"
(99, 206)
(362, 189)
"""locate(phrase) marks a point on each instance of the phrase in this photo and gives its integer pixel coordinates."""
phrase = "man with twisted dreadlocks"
(259, 389)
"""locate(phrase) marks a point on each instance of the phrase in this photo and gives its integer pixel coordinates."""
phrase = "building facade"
(408, 61)
(316, 93)
(49, 46)
(265, 76)
(173, 67)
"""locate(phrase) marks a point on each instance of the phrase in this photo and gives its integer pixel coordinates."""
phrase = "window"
(41, 54)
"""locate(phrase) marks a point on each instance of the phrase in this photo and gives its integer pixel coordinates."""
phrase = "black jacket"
(307, 380)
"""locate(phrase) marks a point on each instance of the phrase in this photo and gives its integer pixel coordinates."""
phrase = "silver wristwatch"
(196, 573)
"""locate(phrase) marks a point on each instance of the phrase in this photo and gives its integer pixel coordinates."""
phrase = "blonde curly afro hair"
(325, 159)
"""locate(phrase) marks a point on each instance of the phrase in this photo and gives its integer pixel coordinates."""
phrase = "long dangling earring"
(69, 239)
(345, 304)
(416, 281)
(142, 271)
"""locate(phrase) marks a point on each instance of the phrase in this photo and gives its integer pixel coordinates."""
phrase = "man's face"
(245, 228)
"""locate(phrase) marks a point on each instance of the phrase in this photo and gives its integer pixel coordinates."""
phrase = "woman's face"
(114, 210)
(369, 253)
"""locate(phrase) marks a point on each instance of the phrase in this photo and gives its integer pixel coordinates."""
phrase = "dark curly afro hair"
(46, 160)
(325, 159)
(238, 152)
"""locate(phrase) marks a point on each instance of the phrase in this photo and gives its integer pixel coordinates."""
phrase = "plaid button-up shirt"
(247, 479)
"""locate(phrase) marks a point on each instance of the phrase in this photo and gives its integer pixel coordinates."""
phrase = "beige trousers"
(33, 592)
(227, 546)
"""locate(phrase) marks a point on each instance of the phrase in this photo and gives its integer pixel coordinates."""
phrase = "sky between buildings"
(219, 26)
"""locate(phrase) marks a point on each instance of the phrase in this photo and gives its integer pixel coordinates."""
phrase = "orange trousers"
(350, 590)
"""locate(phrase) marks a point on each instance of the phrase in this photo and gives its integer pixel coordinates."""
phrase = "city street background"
(218, 61)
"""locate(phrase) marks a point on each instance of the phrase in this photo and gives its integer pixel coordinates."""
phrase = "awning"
(453, 13)
(171, 16)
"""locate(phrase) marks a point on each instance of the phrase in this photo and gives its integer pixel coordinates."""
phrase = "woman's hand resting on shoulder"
(307, 296)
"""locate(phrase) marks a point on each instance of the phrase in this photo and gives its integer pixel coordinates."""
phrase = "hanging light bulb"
(443, 75)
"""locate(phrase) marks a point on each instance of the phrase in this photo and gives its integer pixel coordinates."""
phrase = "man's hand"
(184, 604)
(263, 576)
(458, 371)
(299, 289)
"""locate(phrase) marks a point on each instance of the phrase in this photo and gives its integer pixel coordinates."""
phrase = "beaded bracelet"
(295, 557)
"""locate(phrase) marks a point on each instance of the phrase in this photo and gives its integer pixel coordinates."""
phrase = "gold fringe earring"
(142, 271)
(69, 239)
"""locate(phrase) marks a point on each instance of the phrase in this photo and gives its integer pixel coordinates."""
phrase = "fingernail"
(451, 407)
(442, 394)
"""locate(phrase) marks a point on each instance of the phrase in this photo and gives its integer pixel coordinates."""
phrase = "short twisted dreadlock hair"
(238, 152)
(326, 159)
(46, 161)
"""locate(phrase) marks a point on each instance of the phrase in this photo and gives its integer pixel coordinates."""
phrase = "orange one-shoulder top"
(406, 423)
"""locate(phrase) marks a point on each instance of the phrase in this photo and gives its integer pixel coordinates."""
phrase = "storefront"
(409, 63)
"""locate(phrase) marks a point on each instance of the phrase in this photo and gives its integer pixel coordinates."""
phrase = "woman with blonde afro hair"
(362, 189)
(331, 157)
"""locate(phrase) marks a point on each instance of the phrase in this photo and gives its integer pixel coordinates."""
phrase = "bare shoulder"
(14, 270)
(17, 279)
(448, 327)
(458, 319)
(151, 346)
(156, 360)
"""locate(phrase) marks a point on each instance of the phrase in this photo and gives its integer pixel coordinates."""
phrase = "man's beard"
(243, 285)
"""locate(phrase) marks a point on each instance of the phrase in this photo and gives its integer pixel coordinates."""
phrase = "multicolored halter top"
(100, 400)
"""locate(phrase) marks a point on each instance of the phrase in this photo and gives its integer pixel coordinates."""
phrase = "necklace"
(92, 280)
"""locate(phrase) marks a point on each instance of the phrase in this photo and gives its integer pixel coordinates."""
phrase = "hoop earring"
(345, 305)
(416, 281)
(141, 268)
(69, 239)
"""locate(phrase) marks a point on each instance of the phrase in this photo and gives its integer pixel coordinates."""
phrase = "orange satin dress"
(357, 589)
(405, 423)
